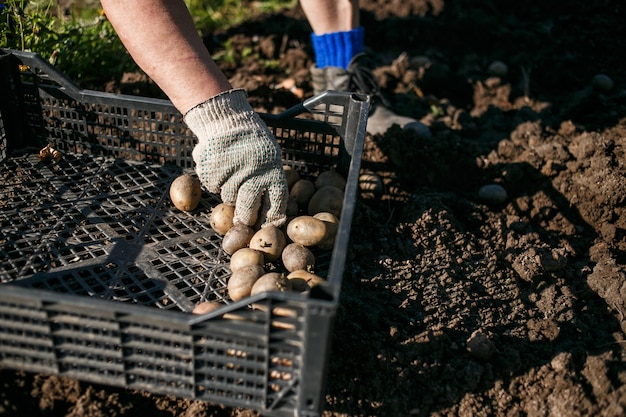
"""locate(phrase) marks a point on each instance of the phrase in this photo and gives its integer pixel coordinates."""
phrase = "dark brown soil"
(453, 305)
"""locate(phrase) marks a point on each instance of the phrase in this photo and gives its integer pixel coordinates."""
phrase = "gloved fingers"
(274, 208)
(274, 202)
(229, 190)
(263, 200)
(205, 169)
(247, 203)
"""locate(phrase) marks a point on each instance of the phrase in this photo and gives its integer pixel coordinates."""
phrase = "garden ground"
(453, 305)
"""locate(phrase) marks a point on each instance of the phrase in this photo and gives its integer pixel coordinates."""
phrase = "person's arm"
(236, 154)
(161, 37)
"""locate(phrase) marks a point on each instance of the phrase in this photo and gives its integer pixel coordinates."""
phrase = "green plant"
(211, 15)
(87, 50)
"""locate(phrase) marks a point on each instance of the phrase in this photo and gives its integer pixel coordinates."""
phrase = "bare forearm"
(161, 38)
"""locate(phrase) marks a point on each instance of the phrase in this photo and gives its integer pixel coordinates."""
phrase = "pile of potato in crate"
(270, 258)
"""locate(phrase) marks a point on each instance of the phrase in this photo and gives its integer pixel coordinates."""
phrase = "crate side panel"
(251, 358)
(158, 358)
(87, 344)
(25, 338)
(109, 127)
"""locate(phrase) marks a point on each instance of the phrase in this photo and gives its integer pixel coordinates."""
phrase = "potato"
(332, 224)
(244, 257)
(242, 280)
(330, 177)
(602, 82)
(186, 192)
(299, 284)
(299, 276)
(292, 175)
(302, 191)
(272, 281)
(221, 218)
(236, 238)
(295, 256)
(328, 198)
(306, 230)
(292, 207)
(498, 69)
(206, 307)
(269, 240)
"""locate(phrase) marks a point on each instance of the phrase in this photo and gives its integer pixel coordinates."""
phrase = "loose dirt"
(453, 305)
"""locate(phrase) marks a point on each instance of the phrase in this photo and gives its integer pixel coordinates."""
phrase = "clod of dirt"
(480, 346)
(527, 265)
(562, 362)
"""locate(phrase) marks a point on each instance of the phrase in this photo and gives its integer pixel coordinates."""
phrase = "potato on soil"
(330, 177)
(328, 198)
(206, 307)
(498, 69)
(272, 281)
(602, 82)
(236, 238)
(244, 257)
(295, 256)
(292, 175)
(302, 191)
(332, 224)
(269, 240)
(186, 192)
(303, 280)
(306, 230)
(221, 218)
(242, 280)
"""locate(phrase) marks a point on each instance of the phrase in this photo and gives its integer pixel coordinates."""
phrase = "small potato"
(330, 177)
(206, 307)
(186, 192)
(269, 240)
(498, 69)
(221, 218)
(602, 82)
(272, 281)
(328, 198)
(302, 191)
(292, 175)
(332, 224)
(299, 284)
(295, 256)
(292, 207)
(306, 230)
(492, 194)
(309, 278)
(236, 238)
(244, 257)
(241, 281)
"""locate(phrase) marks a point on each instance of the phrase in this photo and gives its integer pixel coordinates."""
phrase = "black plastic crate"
(99, 272)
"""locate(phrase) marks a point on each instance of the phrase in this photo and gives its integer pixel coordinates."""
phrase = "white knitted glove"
(237, 157)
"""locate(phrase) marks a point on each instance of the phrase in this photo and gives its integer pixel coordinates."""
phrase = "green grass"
(82, 43)
(211, 15)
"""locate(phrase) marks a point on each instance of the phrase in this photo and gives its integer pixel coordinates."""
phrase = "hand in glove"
(237, 157)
